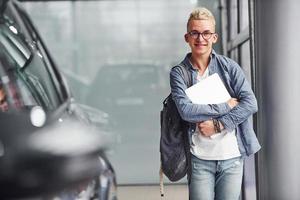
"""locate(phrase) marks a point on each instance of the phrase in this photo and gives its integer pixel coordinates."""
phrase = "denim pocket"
(236, 163)
(198, 164)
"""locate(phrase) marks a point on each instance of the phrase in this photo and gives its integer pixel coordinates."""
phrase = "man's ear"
(215, 38)
(186, 37)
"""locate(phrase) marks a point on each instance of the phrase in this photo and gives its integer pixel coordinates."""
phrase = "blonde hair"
(201, 13)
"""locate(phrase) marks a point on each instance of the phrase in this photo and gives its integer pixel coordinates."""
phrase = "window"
(24, 71)
(239, 48)
(116, 56)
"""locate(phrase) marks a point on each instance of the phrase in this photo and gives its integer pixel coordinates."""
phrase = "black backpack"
(174, 144)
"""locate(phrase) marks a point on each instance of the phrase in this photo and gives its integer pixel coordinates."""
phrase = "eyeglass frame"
(196, 33)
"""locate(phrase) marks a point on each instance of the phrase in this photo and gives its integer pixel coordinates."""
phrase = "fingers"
(232, 102)
(206, 128)
(203, 124)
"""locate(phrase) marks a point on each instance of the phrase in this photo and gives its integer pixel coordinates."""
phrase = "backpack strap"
(187, 75)
(161, 182)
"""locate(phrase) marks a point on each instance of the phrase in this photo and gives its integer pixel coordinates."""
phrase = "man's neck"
(201, 63)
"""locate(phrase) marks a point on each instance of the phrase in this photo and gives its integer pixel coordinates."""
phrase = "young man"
(220, 135)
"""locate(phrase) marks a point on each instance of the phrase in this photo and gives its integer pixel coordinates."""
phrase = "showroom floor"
(172, 192)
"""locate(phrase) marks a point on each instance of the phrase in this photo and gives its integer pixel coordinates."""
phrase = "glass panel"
(23, 64)
(14, 91)
(234, 54)
(233, 18)
(12, 45)
(245, 60)
(244, 14)
(116, 56)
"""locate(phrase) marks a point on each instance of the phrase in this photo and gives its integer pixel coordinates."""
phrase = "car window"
(58, 82)
(23, 74)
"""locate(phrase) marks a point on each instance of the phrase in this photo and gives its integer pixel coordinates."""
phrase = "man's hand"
(232, 102)
(207, 128)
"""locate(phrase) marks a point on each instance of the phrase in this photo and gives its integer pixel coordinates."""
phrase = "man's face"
(201, 44)
(3, 102)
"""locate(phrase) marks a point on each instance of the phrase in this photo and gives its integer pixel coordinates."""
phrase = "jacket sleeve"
(247, 101)
(188, 111)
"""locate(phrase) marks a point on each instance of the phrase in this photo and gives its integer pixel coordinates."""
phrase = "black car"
(50, 147)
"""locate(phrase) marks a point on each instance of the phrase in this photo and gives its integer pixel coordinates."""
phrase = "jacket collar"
(211, 66)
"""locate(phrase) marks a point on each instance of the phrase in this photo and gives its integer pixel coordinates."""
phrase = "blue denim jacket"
(238, 87)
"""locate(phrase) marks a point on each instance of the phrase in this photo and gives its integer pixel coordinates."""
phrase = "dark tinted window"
(24, 77)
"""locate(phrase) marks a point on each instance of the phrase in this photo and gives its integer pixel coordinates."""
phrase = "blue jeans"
(216, 179)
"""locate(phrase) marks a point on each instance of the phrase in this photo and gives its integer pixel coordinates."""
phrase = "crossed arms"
(230, 114)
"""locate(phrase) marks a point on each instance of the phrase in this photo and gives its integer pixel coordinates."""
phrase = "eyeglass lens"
(205, 35)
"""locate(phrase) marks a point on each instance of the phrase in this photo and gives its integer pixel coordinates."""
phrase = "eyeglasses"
(205, 35)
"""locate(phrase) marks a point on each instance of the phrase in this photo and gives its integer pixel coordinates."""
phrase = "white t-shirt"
(220, 146)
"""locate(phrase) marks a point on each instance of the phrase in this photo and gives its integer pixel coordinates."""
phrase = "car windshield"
(23, 81)
(13, 56)
(26, 74)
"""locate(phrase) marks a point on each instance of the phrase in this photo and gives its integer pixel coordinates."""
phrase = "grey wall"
(278, 51)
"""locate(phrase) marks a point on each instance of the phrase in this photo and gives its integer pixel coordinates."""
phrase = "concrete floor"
(172, 192)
